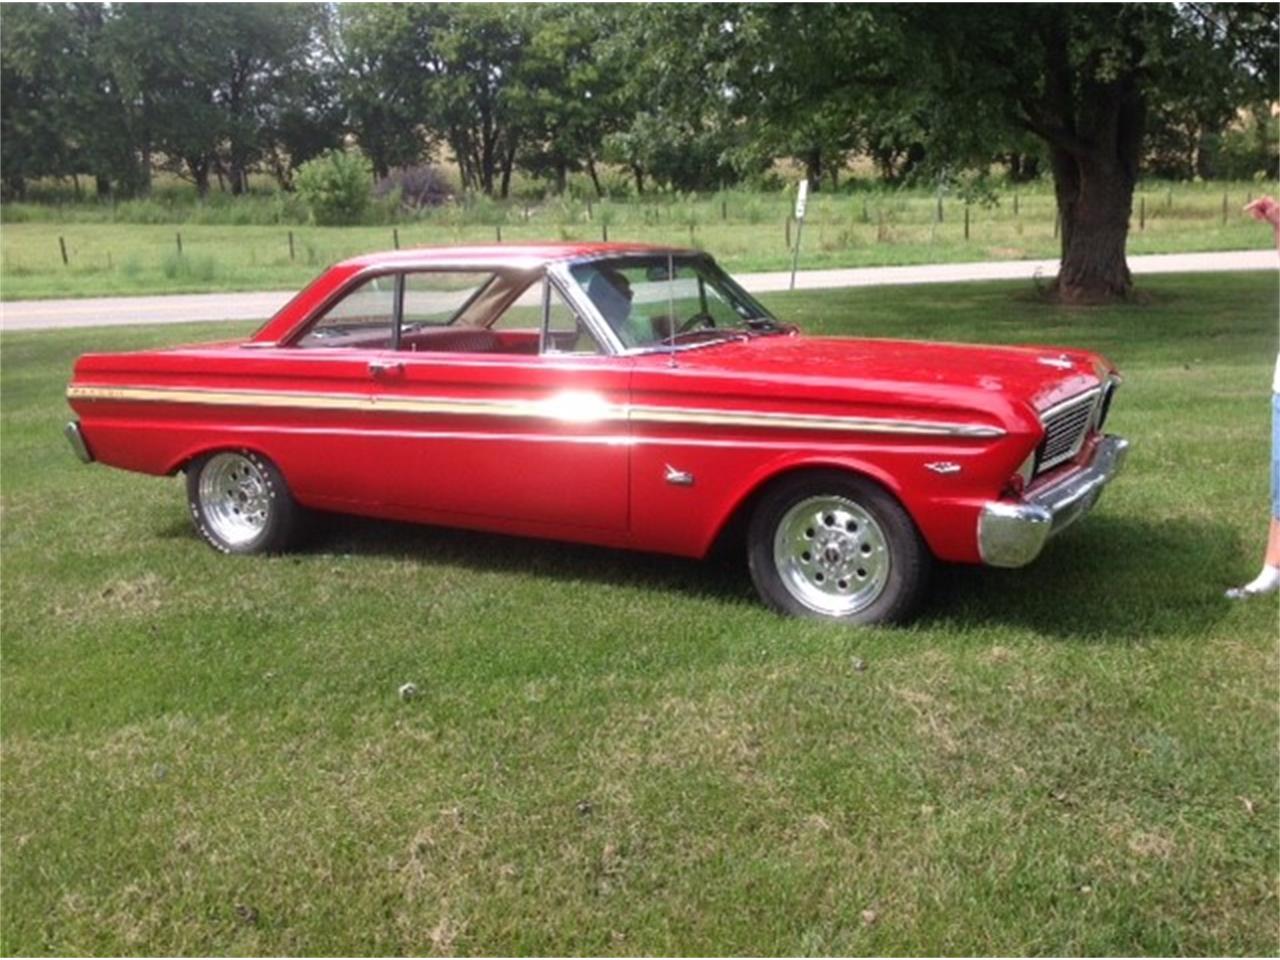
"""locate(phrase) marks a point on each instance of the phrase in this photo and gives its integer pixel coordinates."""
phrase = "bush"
(418, 187)
(335, 186)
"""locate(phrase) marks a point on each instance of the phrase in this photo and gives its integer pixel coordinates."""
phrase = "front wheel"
(839, 547)
(240, 504)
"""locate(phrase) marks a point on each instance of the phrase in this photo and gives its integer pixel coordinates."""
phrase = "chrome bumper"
(1012, 534)
(76, 439)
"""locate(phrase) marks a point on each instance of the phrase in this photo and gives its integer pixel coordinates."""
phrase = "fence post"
(604, 232)
(590, 212)
(938, 218)
(966, 219)
(879, 225)
(498, 228)
(62, 245)
(291, 245)
(788, 231)
(1015, 203)
(1224, 206)
(179, 238)
(1168, 199)
(724, 209)
(1142, 212)
(866, 216)
(395, 236)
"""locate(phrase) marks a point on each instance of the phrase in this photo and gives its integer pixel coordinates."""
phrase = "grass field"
(627, 754)
(745, 231)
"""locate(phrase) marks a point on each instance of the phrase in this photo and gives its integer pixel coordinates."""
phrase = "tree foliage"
(682, 96)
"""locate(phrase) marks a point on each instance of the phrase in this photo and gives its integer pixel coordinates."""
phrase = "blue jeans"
(1275, 455)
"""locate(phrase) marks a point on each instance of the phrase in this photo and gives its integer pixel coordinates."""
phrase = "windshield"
(654, 301)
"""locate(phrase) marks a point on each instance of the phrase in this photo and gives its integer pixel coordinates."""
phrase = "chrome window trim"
(577, 298)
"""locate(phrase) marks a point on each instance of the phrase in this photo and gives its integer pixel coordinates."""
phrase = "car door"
(520, 420)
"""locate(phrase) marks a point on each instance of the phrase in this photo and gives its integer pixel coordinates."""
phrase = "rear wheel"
(836, 546)
(240, 504)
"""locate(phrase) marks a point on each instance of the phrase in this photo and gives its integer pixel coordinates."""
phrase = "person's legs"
(1269, 579)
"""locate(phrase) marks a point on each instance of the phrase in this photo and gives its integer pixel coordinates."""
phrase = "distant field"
(745, 231)
(627, 755)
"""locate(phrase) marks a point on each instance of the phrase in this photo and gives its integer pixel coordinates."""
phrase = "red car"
(628, 396)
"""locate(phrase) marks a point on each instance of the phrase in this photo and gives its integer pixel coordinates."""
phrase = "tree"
(567, 90)
(376, 56)
(1083, 79)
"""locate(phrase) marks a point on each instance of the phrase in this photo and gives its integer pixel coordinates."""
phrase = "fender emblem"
(944, 467)
(679, 478)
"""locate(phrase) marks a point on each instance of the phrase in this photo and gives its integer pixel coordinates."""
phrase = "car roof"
(517, 255)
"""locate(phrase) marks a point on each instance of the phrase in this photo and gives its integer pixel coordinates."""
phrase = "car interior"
(466, 311)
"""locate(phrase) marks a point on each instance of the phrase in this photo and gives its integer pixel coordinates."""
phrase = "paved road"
(186, 308)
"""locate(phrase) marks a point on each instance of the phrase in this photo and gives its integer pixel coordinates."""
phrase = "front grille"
(1065, 427)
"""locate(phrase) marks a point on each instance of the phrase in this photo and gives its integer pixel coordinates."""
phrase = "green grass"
(626, 754)
(746, 232)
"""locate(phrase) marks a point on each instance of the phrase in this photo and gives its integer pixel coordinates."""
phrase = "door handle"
(386, 368)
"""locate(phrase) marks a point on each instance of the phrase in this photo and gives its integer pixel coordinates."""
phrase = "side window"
(566, 333)
(439, 297)
(364, 318)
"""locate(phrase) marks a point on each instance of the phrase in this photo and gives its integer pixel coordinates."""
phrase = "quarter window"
(364, 318)
(566, 333)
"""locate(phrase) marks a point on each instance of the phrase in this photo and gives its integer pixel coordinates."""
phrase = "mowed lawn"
(627, 754)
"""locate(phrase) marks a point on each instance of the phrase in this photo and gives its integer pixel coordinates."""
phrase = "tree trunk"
(508, 162)
(638, 171)
(813, 167)
(1095, 201)
(199, 167)
(239, 176)
(595, 177)
(562, 177)
(144, 169)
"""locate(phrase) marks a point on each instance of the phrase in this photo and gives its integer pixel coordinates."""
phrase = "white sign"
(802, 197)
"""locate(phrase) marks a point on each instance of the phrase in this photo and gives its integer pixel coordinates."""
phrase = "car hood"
(1038, 375)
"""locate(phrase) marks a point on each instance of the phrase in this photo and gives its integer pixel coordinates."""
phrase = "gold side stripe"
(805, 421)
(570, 406)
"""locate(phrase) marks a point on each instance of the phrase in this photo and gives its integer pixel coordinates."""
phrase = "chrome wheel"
(831, 555)
(235, 498)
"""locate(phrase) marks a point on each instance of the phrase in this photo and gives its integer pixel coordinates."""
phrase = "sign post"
(802, 198)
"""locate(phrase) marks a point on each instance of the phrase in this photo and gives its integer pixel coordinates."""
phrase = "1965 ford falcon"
(619, 395)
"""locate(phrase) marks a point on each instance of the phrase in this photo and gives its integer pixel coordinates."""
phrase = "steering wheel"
(697, 320)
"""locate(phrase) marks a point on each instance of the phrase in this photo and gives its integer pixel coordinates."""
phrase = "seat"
(458, 339)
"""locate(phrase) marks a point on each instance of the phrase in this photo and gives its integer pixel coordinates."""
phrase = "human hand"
(1265, 208)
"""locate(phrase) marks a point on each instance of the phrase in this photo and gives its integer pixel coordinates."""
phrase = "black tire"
(836, 546)
(240, 503)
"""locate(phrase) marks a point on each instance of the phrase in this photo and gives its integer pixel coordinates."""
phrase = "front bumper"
(76, 439)
(1012, 534)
